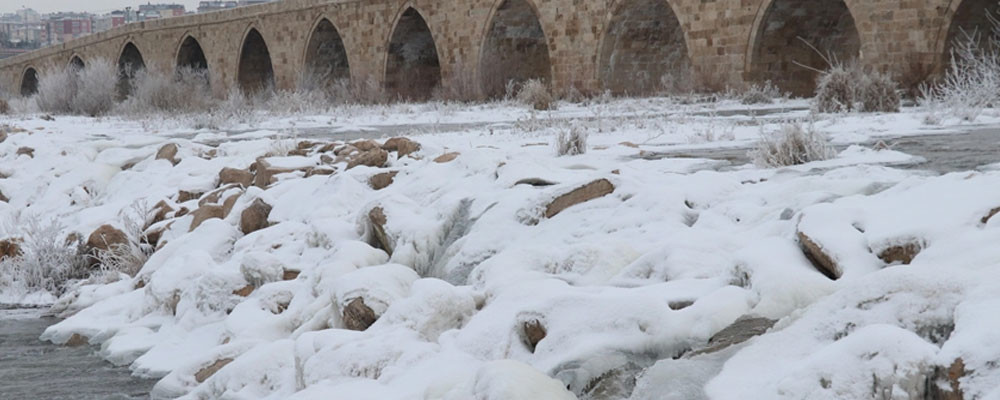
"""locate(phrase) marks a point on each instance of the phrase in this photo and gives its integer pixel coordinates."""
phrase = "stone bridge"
(413, 47)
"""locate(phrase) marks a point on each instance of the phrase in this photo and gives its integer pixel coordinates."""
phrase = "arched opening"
(515, 49)
(412, 68)
(29, 82)
(129, 63)
(643, 49)
(972, 25)
(326, 58)
(191, 56)
(76, 63)
(794, 37)
(255, 72)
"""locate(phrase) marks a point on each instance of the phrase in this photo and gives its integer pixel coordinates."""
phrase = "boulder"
(402, 146)
(185, 195)
(244, 291)
(379, 239)
(446, 157)
(105, 238)
(207, 372)
(254, 218)
(357, 316)
(168, 152)
(590, 191)
(205, 213)
(365, 145)
(901, 253)
(532, 332)
(375, 157)
(986, 218)
(4, 198)
(320, 171)
(944, 383)
(77, 340)
(161, 209)
(820, 260)
(26, 151)
(306, 145)
(10, 248)
(229, 176)
(3, 136)
(290, 274)
(743, 329)
(382, 180)
(229, 203)
(264, 173)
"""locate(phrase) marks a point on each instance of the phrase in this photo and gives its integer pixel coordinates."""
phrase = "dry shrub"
(972, 81)
(536, 93)
(572, 142)
(185, 91)
(760, 94)
(87, 91)
(791, 145)
(849, 87)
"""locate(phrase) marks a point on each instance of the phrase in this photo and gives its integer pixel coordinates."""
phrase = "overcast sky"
(94, 6)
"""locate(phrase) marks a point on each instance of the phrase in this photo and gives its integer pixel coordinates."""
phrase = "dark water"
(34, 370)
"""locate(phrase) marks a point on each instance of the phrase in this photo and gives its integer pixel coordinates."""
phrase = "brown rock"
(244, 291)
(326, 159)
(4, 107)
(320, 171)
(629, 144)
(161, 210)
(944, 384)
(227, 206)
(77, 340)
(207, 372)
(240, 177)
(373, 158)
(446, 157)
(184, 196)
(329, 147)
(380, 239)
(152, 236)
(4, 198)
(382, 180)
(743, 329)
(290, 274)
(254, 218)
(345, 150)
(10, 248)
(533, 332)
(299, 152)
(105, 238)
(590, 191)
(182, 212)
(985, 219)
(168, 152)
(264, 173)
(26, 151)
(305, 145)
(819, 258)
(3, 136)
(358, 316)
(139, 284)
(401, 145)
(903, 253)
(205, 213)
(365, 145)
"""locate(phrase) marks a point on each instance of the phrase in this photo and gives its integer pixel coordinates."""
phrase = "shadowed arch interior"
(972, 21)
(255, 72)
(129, 63)
(795, 36)
(412, 69)
(76, 63)
(643, 49)
(326, 58)
(29, 82)
(191, 56)
(515, 49)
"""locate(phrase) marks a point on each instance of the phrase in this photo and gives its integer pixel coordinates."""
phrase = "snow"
(626, 285)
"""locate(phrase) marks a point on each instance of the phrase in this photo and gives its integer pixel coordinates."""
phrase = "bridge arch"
(643, 43)
(254, 72)
(787, 34)
(326, 59)
(514, 48)
(412, 66)
(29, 82)
(130, 62)
(76, 63)
(966, 17)
(190, 55)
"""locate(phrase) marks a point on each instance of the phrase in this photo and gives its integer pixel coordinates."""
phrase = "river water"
(34, 370)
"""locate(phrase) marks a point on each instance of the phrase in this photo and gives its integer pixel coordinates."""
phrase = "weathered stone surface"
(77, 340)
(375, 157)
(365, 145)
(160, 211)
(186, 195)
(745, 328)
(532, 332)
(290, 274)
(229, 203)
(264, 173)
(377, 219)
(446, 157)
(986, 218)
(240, 177)
(205, 213)
(402, 146)
(382, 180)
(10, 248)
(357, 316)
(254, 218)
(590, 191)
(320, 171)
(244, 291)
(820, 260)
(207, 372)
(105, 238)
(26, 151)
(902, 253)
(168, 152)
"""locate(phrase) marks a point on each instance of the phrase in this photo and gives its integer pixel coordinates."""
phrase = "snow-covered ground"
(482, 290)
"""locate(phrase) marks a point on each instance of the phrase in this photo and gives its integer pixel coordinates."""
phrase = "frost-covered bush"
(185, 91)
(972, 81)
(850, 87)
(535, 93)
(128, 258)
(792, 145)
(571, 142)
(760, 94)
(47, 262)
(87, 91)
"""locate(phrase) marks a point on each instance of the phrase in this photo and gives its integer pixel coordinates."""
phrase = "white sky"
(94, 6)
